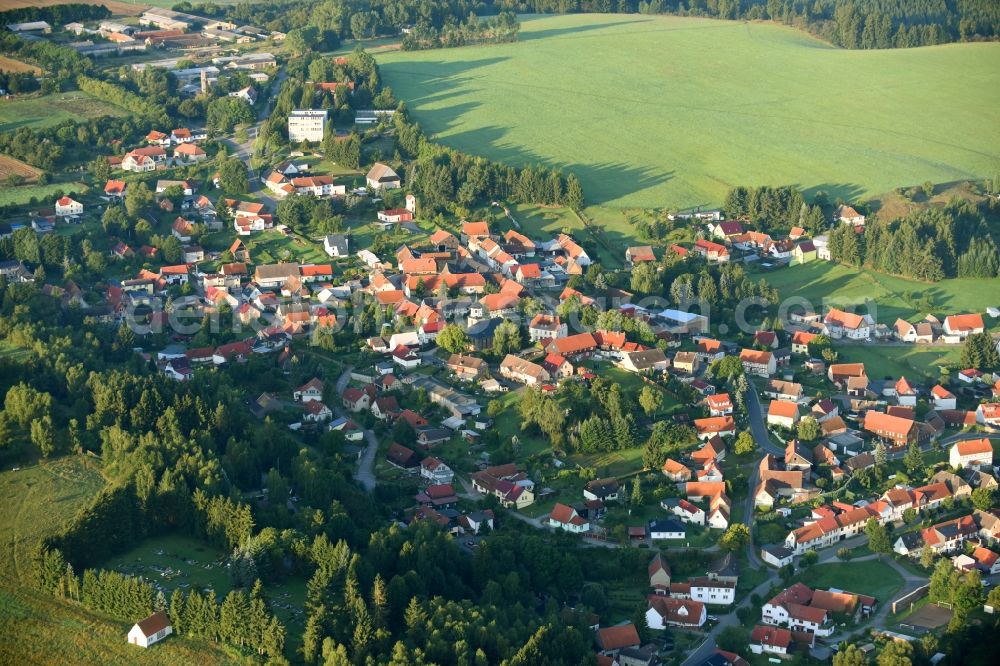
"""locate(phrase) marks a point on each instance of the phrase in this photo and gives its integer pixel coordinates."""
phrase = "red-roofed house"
(943, 398)
(721, 426)
(528, 273)
(971, 453)
(773, 640)
(757, 362)
(669, 611)
(898, 430)
(611, 640)
(801, 340)
(68, 207)
(639, 254)
(783, 413)
(840, 324)
(395, 216)
(963, 325)
(566, 518)
(675, 471)
(719, 404)
(115, 189)
(988, 414)
(986, 560)
(711, 251)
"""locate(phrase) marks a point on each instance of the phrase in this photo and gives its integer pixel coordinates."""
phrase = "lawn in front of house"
(871, 577)
(917, 362)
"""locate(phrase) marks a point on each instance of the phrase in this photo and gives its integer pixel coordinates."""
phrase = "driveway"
(365, 474)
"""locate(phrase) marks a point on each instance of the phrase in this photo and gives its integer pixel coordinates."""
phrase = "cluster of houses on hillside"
(727, 240)
(182, 143)
(831, 523)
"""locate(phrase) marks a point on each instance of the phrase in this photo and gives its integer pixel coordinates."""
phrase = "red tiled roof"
(971, 447)
(964, 322)
(783, 408)
(755, 356)
(616, 638)
(715, 424)
(772, 636)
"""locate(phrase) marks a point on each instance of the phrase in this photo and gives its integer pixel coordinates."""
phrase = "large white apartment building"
(306, 125)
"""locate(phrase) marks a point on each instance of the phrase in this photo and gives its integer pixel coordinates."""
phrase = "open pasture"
(659, 111)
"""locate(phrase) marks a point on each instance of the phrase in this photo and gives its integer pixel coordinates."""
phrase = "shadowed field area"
(671, 112)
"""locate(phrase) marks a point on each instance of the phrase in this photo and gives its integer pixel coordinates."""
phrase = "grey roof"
(338, 241)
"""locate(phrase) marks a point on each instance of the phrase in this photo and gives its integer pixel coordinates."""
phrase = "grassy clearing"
(822, 282)
(911, 361)
(668, 119)
(38, 500)
(37, 629)
(23, 194)
(48, 110)
(869, 577)
(177, 561)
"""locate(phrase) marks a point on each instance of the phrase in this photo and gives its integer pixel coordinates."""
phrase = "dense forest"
(927, 245)
(852, 24)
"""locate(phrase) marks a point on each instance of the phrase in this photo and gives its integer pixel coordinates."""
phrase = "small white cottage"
(153, 629)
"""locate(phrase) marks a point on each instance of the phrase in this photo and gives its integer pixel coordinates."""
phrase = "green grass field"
(23, 194)
(671, 112)
(48, 110)
(820, 280)
(913, 361)
(36, 628)
(869, 577)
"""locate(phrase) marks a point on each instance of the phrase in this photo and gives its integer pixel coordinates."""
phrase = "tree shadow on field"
(602, 181)
(434, 73)
(434, 121)
(848, 192)
(570, 30)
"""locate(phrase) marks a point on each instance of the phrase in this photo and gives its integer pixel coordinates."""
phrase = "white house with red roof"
(316, 412)
(725, 229)
(150, 630)
(850, 325)
(144, 159)
(773, 640)
(435, 471)
(711, 251)
(318, 186)
(68, 207)
(988, 414)
(943, 398)
(971, 453)
(963, 325)
(310, 391)
(566, 518)
(906, 393)
(405, 357)
(114, 189)
(719, 404)
(395, 215)
(672, 611)
(685, 510)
